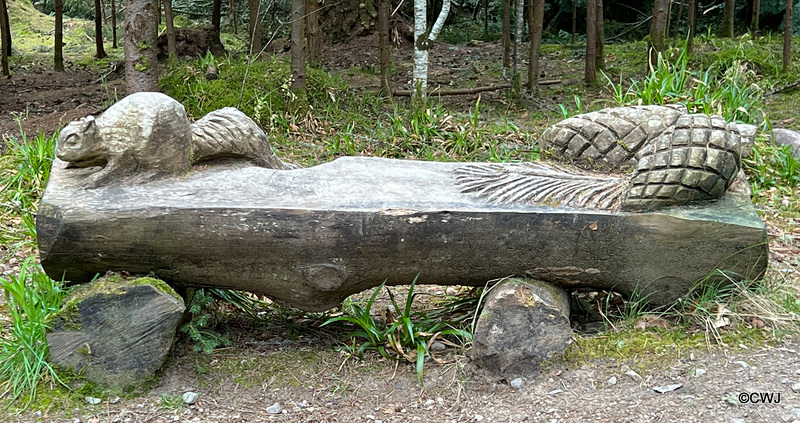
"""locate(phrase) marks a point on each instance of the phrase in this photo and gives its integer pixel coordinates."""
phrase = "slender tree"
(691, 22)
(170, 22)
(114, 24)
(384, 47)
(98, 30)
(519, 14)
(506, 30)
(485, 18)
(574, 21)
(423, 41)
(678, 21)
(216, 16)
(233, 16)
(591, 42)
(141, 30)
(313, 33)
(5, 37)
(298, 49)
(58, 47)
(535, 24)
(6, 30)
(787, 36)
(658, 32)
(600, 40)
(255, 26)
(727, 18)
(756, 13)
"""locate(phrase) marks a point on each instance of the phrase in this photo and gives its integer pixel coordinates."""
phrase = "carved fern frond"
(536, 183)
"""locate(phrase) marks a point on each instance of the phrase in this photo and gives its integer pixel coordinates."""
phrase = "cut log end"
(116, 331)
(523, 323)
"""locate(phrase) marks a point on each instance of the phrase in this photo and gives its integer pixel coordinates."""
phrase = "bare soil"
(296, 366)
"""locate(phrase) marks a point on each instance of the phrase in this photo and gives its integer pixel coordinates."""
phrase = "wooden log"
(523, 323)
(311, 237)
(116, 331)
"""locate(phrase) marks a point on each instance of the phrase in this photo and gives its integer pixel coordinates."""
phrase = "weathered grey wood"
(311, 237)
(523, 323)
(116, 331)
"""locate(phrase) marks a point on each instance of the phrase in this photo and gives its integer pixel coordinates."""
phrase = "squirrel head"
(77, 141)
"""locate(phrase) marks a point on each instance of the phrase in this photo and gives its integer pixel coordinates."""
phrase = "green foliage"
(409, 337)
(204, 308)
(31, 297)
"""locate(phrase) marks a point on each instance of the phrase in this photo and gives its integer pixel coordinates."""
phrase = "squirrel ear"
(89, 123)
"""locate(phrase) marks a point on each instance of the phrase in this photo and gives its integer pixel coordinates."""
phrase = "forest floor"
(287, 360)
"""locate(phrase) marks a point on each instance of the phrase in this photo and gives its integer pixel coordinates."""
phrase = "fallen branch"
(465, 91)
(783, 88)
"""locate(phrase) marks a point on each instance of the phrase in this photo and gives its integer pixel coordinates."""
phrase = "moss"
(142, 64)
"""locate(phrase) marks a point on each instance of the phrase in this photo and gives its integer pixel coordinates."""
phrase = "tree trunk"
(787, 36)
(486, 19)
(506, 33)
(114, 23)
(600, 61)
(691, 22)
(756, 14)
(141, 30)
(169, 18)
(384, 47)
(255, 27)
(313, 33)
(591, 42)
(58, 48)
(535, 23)
(233, 16)
(658, 33)
(678, 22)
(298, 48)
(7, 30)
(423, 41)
(519, 15)
(519, 306)
(5, 37)
(216, 16)
(727, 18)
(574, 21)
(98, 30)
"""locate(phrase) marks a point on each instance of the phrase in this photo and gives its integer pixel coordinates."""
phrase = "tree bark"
(98, 30)
(216, 16)
(141, 30)
(58, 48)
(658, 33)
(519, 13)
(313, 33)
(114, 23)
(754, 17)
(254, 27)
(5, 37)
(574, 21)
(506, 33)
(591, 42)
(384, 47)
(600, 61)
(486, 19)
(169, 19)
(691, 22)
(727, 18)
(787, 36)
(535, 23)
(233, 16)
(678, 22)
(423, 41)
(298, 48)
(6, 30)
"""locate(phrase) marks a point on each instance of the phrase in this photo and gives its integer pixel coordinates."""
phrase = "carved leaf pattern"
(536, 183)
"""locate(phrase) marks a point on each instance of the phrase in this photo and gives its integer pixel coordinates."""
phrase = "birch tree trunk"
(114, 24)
(506, 33)
(58, 48)
(298, 48)
(727, 18)
(591, 42)
(535, 23)
(787, 36)
(255, 27)
(98, 30)
(423, 41)
(169, 18)
(519, 19)
(5, 39)
(141, 30)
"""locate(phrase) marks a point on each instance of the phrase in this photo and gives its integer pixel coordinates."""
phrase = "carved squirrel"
(147, 135)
